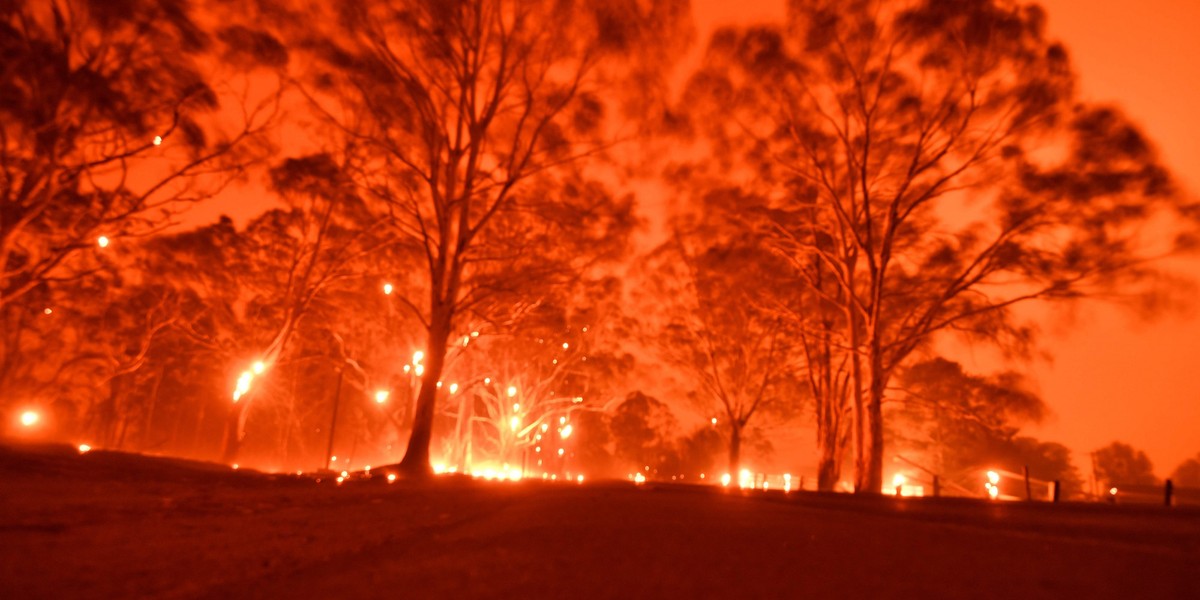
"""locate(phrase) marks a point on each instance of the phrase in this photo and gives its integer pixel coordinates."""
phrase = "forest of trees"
(533, 234)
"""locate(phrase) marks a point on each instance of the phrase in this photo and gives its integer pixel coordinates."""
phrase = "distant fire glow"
(84, 448)
(30, 418)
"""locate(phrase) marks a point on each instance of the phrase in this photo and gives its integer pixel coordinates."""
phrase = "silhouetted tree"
(901, 145)
(1187, 474)
(464, 116)
(643, 434)
(104, 131)
(1119, 463)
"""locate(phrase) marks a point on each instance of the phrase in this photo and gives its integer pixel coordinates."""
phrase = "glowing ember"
(387, 289)
(512, 391)
(48, 311)
(565, 432)
(391, 478)
(158, 140)
(899, 479)
(993, 477)
(639, 478)
(453, 388)
(102, 241)
(514, 423)
(725, 479)
(381, 396)
(235, 466)
(1112, 491)
(30, 418)
(579, 479)
(84, 448)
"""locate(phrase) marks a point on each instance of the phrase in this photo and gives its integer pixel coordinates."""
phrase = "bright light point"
(387, 289)
(560, 451)
(579, 479)
(1112, 491)
(562, 420)
(566, 345)
(714, 420)
(345, 474)
(420, 370)
(418, 356)
(333, 459)
(466, 340)
(566, 432)
(537, 448)
(243, 385)
(407, 368)
(340, 480)
(381, 396)
(899, 479)
(235, 466)
(639, 478)
(725, 479)
(545, 427)
(439, 468)
(515, 474)
(259, 367)
(512, 391)
(158, 140)
(439, 384)
(391, 478)
(516, 407)
(993, 492)
(474, 334)
(993, 477)
(102, 241)
(453, 388)
(84, 448)
(514, 423)
(29, 418)
(487, 381)
(48, 311)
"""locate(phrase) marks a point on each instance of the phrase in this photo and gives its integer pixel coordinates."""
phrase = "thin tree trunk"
(735, 451)
(416, 456)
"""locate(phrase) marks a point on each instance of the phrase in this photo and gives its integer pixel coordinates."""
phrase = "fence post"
(1057, 487)
(1028, 492)
(1168, 492)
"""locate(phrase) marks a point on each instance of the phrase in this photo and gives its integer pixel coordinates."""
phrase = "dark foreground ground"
(109, 525)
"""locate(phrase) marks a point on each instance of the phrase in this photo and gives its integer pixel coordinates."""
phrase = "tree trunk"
(233, 431)
(873, 482)
(416, 456)
(735, 451)
(856, 377)
(829, 465)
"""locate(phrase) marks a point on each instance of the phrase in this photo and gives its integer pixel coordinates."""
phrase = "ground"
(113, 525)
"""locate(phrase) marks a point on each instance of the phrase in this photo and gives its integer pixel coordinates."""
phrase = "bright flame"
(1112, 491)
(453, 388)
(725, 479)
(30, 418)
(340, 480)
(387, 289)
(993, 477)
(419, 370)
(787, 481)
(381, 396)
(745, 479)
(391, 478)
(418, 356)
(259, 367)
(84, 448)
(515, 474)
(993, 492)
(560, 451)
(566, 431)
(516, 407)
(243, 385)
(48, 311)
(439, 468)
(639, 478)
(102, 241)
(566, 345)
(512, 391)
(158, 140)
(545, 427)
(514, 423)
(235, 466)
(899, 479)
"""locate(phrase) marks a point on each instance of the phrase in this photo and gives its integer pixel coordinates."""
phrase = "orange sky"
(1111, 377)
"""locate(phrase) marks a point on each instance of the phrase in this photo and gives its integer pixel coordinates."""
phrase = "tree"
(463, 116)
(706, 283)
(1121, 464)
(103, 131)
(642, 429)
(902, 145)
(1187, 474)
